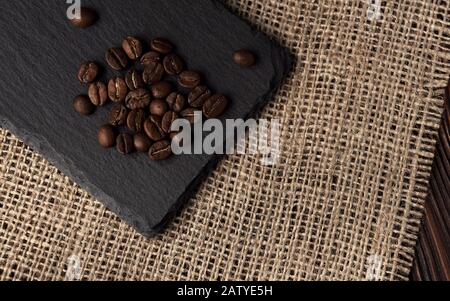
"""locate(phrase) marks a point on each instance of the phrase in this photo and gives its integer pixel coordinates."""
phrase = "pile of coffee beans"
(151, 90)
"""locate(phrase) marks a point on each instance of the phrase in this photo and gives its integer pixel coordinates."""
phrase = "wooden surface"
(432, 260)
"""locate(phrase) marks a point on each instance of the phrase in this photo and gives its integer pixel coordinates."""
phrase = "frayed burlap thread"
(359, 121)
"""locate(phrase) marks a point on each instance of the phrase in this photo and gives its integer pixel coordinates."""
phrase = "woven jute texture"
(359, 121)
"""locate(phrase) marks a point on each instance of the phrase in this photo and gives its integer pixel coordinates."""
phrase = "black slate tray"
(41, 53)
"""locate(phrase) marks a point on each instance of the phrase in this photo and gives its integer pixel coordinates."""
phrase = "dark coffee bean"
(142, 143)
(151, 57)
(198, 96)
(117, 89)
(87, 18)
(116, 58)
(107, 136)
(189, 114)
(83, 105)
(138, 99)
(118, 115)
(244, 58)
(161, 45)
(189, 79)
(125, 144)
(135, 120)
(132, 47)
(167, 121)
(161, 89)
(98, 93)
(153, 73)
(215, 106)
(173, 64)
(88, 72)
(134, 80)
(176, 101)
(158, 107)
(160, 150)
(153, 128)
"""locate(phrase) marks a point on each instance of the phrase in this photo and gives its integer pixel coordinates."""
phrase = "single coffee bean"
(161, 89)
(189, 115)
(118, 115)
(83, 105)
(173, 64)
(142, 143)
(153, 128)
(107, 136)
(116, 58)
(125, 144)
(167, 121)
(153, 73)
(189, 79)
(244, 58)
(86, 18)
(88, 72)
(135, 120)
(132, 47)
(215, 106)
(151, 57)
(161, 45)
(158, 107)
(117, 89)
(138, 99)
(98, 93)
(134, 80)
(198, 96)
(160, 150)
(176, 102)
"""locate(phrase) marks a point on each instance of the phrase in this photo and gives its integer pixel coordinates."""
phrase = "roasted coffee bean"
(134, 80)
(167, 121)
(107, 136)
(153, 128)
(141, 142)
(118, 115)
(158, 107)
(198, 96)
(161, 45)
(173, 64)
(161, 89)
(88, 72)
(125, 144)
(176, 102)
(153, 73)
(215, 106)
(151, 57)
(189, 79)
(160, 150)
(98, 93)
(189, 114)
(244, 58)
(135, 120)
(132, 47)
(116, 58)
(117, 89)
(87, 18)
(83, 105)
(138, 99)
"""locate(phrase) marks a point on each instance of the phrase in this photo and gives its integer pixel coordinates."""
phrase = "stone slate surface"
(40, 55)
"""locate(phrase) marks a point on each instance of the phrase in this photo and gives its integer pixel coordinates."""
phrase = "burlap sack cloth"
(359, 121)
